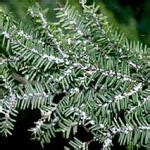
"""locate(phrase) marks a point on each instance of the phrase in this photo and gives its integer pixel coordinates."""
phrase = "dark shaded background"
(131, 16)
(21, 137)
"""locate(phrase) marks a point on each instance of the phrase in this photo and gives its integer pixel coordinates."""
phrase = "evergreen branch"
(49, 34)
(101, 78)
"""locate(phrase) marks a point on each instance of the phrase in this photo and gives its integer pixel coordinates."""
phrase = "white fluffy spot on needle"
(1, 109)
(69, 41)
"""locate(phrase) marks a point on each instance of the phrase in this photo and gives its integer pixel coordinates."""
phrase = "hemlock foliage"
(104, 79)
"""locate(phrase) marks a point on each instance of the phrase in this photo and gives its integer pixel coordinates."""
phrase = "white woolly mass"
(107, 143)
(53, 59)
(135, 89)
(6, 35)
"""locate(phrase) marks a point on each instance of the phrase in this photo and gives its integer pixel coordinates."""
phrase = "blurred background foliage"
(131, 16)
